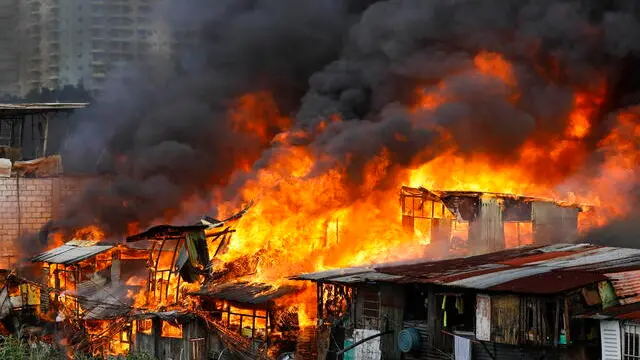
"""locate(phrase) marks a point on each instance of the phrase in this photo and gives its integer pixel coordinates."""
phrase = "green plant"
(13, 348)
(135, 355)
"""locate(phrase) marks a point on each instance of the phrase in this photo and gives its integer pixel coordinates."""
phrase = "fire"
(254, 113)
(305, 219)
(312, 221)
(91, 232)
(171, 330)
(494, 64)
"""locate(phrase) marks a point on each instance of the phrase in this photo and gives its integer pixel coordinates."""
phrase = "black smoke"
(623, 232)
(164, 135)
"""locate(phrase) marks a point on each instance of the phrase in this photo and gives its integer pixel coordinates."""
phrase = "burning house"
(85, 287)
(174, 335)
(469, 222)
(529, 302)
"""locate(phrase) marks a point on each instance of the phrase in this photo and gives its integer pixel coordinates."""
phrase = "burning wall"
(458, 223)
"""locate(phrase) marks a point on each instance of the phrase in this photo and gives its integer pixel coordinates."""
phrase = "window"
(518, 234)
(368, 309)
(631, 341)
(144, 326)
(416, 306)
(459, 237)
(170, 330)
(426, 216)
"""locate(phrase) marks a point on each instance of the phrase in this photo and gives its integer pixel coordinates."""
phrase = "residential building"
(76, 41)
(9, 47)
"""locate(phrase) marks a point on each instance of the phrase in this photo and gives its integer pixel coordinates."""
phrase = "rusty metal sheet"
(552, 282)
(537, 270)
(162, 232)
(332, 274)
(69, 254)
(248, 293)
(626, 285)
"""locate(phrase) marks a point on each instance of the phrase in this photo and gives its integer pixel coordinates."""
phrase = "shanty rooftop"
(72, 252)
(246, 293)
(18, 110)
(533, 270)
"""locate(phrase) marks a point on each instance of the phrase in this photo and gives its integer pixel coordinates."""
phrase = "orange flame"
(313, 223)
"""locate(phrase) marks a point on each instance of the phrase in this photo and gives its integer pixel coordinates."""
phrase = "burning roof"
(536, 270)
(247, 293)
(166, 232)
(72, 252)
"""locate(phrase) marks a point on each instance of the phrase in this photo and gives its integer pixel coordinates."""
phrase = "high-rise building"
(10, 58)
(81, 41)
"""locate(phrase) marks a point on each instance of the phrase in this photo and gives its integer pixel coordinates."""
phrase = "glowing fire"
(304, 220)
(171, 330)
(308, 223)
(89, 233)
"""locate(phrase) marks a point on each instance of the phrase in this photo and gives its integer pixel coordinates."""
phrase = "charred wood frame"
(335, 302)
(484, 222)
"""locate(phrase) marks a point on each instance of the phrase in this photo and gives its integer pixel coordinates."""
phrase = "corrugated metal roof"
(337, 273)
(536, 270)
(44, 106)
(71, 254)
(626, 285)
(248, 293)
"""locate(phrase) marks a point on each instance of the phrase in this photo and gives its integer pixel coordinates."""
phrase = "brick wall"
(28, 203)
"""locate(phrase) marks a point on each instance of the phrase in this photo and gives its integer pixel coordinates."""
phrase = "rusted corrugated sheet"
(248, 293)
(70, 254)
(627, 286)
(536, 270)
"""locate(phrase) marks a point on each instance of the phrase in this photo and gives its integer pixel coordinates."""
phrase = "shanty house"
(86, 283)
(175, 335)
(525, 303)
(466, 222)
(248, 320)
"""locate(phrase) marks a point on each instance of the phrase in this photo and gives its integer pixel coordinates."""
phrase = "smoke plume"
(169, 133)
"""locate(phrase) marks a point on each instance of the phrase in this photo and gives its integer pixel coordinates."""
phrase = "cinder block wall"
(28, 203)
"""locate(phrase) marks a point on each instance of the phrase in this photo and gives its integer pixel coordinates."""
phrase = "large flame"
(315, 222)
(304, 220)
(309, 223)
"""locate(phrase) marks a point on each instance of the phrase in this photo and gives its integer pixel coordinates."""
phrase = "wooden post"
(156, 332)
(556, 329)
(319, 299)
(172, 265)
(45, 139)
(253, 325)
(567, 322)
(266, 334)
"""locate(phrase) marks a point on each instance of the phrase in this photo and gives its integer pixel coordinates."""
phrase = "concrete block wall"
(28, 203)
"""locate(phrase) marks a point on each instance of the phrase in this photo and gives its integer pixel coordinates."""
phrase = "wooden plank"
(483, 317)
